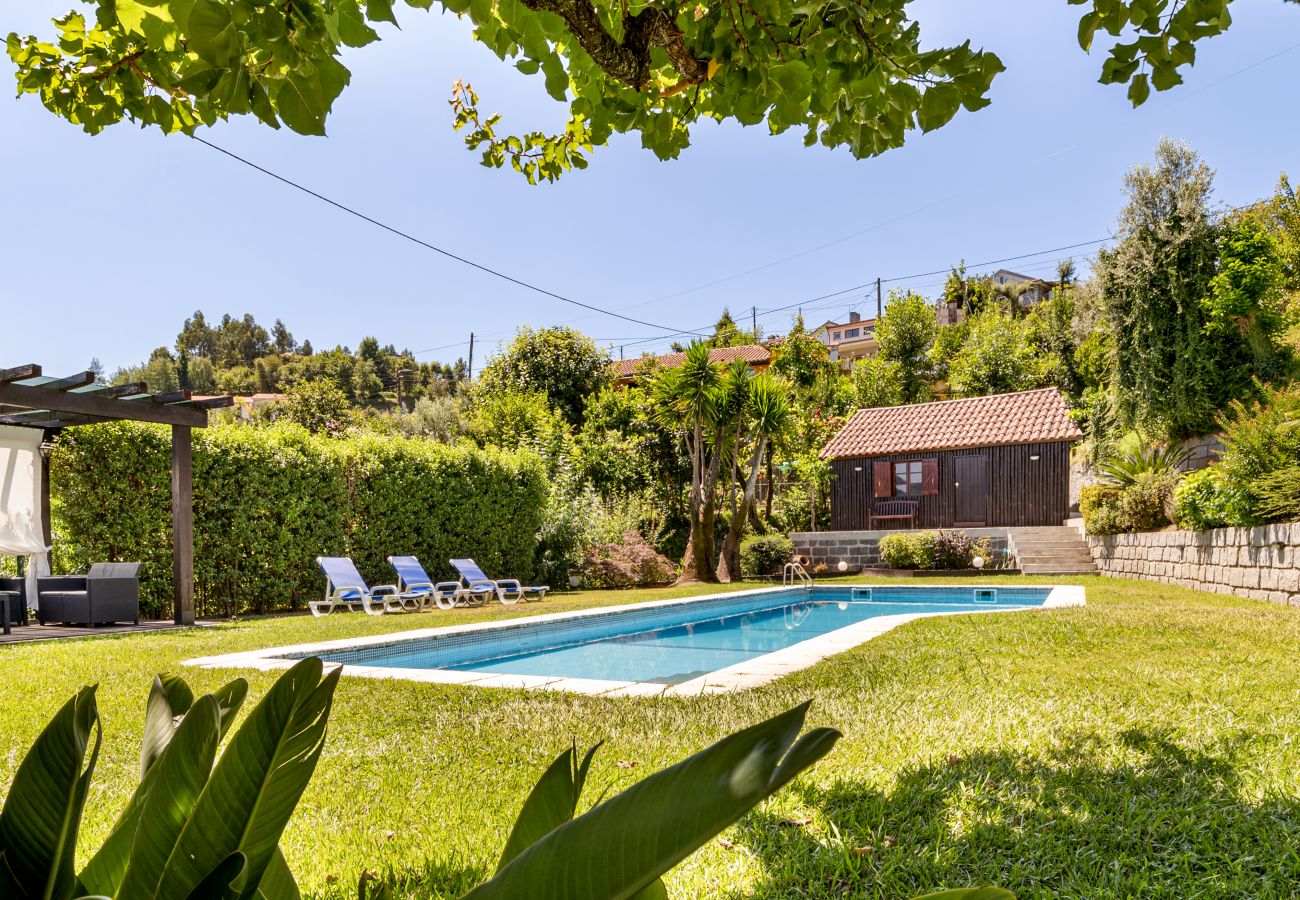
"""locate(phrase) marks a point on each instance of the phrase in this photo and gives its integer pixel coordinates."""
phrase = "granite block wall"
(1261, 563)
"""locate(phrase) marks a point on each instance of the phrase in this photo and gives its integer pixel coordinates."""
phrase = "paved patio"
(24, 633)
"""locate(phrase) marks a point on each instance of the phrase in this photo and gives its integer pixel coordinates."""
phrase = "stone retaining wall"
(861, 549)
(1261, 563)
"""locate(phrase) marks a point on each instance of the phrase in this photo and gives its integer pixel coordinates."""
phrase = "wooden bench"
(893, 510)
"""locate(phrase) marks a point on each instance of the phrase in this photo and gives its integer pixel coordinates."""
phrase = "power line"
(428, 246)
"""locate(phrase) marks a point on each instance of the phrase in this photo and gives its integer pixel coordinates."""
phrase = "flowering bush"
(627, 563)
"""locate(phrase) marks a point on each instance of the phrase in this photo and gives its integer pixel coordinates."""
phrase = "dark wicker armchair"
(18, 604)
(110, 592)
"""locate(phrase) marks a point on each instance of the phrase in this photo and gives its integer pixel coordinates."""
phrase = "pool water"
(674, 643)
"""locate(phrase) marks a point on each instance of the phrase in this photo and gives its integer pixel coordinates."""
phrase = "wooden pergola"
(31, 399)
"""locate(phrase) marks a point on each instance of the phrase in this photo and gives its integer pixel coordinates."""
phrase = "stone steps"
(1051, 551)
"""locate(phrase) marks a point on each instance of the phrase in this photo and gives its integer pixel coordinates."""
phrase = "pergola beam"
(97, 404)
(81, 379)
(18, 373)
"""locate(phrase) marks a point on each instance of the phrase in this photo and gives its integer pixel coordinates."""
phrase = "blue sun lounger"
(412, 578)
(508, 590)
(345, 587)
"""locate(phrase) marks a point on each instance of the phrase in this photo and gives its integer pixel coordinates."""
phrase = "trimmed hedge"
(269, 500)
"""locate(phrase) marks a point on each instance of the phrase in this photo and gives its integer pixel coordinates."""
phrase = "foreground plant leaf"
(41, 815)
(170, 702)
(622, 846)
(257, 783)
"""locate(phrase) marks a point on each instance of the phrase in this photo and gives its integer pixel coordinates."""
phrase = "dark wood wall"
(1021, 491)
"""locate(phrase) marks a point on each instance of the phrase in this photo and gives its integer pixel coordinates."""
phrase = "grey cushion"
(114, 570)
(64, 595)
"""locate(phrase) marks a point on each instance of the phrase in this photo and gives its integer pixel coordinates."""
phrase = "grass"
(1147, 744)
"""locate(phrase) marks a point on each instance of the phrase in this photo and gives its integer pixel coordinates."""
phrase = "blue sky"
(108, 243)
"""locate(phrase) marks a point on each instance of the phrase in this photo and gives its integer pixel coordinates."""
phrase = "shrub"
(269, 500)
(765, 554)
(1279, 495)
(1099, 505)
(957, 550)
(908, 550)
(1145, 505)
(627, 563)
(1208, 499)
(1124, 469)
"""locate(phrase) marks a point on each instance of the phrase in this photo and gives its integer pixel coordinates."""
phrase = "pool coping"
(750, 673)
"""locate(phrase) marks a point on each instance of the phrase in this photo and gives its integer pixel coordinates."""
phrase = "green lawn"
(1148, 744)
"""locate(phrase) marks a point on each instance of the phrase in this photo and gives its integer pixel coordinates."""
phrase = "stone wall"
(861, 549)
(1261, 563)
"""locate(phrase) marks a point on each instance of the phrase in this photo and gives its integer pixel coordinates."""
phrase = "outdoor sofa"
(17, 589)
(109, 592)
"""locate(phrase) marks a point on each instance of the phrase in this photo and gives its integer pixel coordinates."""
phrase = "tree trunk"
(729, 558)
(691, 559)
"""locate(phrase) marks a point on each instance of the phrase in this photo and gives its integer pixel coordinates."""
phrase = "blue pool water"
(673, 643)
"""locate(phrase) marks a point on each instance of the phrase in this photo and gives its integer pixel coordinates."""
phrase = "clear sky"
(108, 243)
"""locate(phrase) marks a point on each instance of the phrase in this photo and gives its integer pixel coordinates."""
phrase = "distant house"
(626, 371)
(1002, 460)
(1036, 290)
(848, 341)
(248, 404)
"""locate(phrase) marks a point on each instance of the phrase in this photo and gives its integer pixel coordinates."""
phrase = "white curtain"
(21, 529)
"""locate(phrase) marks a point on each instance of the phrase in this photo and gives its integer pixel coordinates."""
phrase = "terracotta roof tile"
(751, 353)
(1025, 417)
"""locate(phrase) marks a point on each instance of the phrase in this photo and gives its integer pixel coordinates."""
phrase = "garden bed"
(937, 573)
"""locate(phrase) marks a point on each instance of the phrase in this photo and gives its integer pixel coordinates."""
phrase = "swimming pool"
(698, 645)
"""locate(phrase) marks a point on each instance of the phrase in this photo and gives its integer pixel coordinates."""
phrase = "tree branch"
(629, 61)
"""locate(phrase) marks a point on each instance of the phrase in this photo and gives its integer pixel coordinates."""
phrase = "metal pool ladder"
(795, 572)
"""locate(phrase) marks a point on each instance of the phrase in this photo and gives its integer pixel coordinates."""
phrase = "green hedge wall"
(268, 500)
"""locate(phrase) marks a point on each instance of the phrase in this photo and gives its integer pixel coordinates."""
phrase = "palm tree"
(688, 399)
(766, 415)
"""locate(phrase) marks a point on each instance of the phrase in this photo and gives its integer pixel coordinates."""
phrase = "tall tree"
(845, 74)
(763, 418)
(282, 338)
(688, 399)
(562, 363)
(905, 334)
(1167, 375)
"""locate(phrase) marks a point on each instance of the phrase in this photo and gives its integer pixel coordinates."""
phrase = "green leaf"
(41, 815)
(621, 847)
(1088, 26)
(553, 801)
(257, 782)
(277, 881)
(939, 104)
(170, 795)
(1139, 90)
(380, 11)
(169, 698)
(212, 32)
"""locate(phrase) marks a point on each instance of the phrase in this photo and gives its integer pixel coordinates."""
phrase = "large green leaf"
(620, 847)
(174, 787)
(169, 700)
(553, 801)
(38, 826)
(212, 32)
(257, 783)
(277, 881)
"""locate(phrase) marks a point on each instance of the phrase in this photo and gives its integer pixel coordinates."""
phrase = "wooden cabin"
(998, 461)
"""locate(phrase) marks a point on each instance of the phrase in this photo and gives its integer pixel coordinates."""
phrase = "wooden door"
(971, 485)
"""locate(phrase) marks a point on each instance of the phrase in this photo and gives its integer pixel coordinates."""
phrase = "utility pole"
(400, 372)
(471, 357)
(620, 352)
(753, 321)
(879, 308)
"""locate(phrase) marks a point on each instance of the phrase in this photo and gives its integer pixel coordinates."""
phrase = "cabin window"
(837, 335)
(907, 479)
(851, 333)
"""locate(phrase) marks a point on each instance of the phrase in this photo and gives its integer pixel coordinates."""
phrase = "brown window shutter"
(929, 477)
(884, 477)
